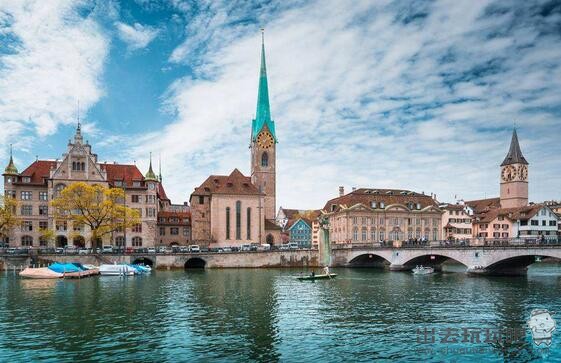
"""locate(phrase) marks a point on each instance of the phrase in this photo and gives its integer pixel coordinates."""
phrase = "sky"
(418, 95)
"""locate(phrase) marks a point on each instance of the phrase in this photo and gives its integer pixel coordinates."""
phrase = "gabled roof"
(292, 223)
(39, 171)
(366, 196)
(514, 214)
(121, 172)
(161, 192)
(481, 205)
(235, 183)
(514, 155)
(270, 226)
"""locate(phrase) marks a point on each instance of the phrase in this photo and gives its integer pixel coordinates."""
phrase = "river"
(241, 315)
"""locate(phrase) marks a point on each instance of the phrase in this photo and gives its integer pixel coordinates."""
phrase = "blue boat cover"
(63, 267)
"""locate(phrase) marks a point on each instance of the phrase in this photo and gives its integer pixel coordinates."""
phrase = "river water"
(245, 315)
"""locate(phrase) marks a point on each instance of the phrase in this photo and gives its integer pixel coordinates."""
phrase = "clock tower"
(514, 177)
(263, 143)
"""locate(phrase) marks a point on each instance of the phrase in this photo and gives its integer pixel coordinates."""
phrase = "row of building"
(235, 209)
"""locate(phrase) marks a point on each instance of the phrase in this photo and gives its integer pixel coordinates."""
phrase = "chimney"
(341, 191)
(354, 188)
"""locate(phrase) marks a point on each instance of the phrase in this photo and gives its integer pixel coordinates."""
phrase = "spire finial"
(11, 168)
(160, 166)
(263, 36)
(150, 174)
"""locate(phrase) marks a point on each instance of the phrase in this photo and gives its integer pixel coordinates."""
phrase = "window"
(150, 212)
(26, 195)
(26, 210)
(373, 204)
(137, 228)
(43, 196)
(43, 225)
(58, 189)
(174, 231)
(43, 210)
(118, 183)
(151, 199)
(265, 159)
(355, 234)
(227, 222)
(364, 234)
(136, 184)
(543, 223)
(10, 193)
(137, 242)
(135, 198)
(27, 226)
(238, 220)
(373, 234)
(201, 199)
(382, 205)
(248, 223)
(162, 231)
(381, 220)
(26, 241)
(552, 223)
(26, 179)
(185, 232)
(534, 223)
(120, 241)
(42, 242)
(382, 235)
(78, 166)
(61, 226)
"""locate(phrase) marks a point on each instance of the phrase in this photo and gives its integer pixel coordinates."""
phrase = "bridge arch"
(143, 261)
(195, 263)
(516, 263)
(369, 260)
(434, 260)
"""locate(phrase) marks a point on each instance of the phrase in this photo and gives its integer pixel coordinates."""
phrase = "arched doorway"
(143, 261)
(195, 262)
(270, 239)
(61, 241)
(79, 242)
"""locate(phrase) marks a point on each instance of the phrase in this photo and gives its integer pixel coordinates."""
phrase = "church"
(233, 210)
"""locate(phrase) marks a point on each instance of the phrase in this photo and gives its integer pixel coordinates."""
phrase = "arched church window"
(265, 159)
(238, 220)
(248, 223)
(227, 222)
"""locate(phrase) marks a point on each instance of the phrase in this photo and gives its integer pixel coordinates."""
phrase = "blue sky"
(420, 95)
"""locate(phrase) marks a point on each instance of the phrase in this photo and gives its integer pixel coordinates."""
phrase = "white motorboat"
(422, 270)
(116, 270)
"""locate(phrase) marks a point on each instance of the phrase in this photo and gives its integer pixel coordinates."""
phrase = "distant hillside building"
(369, 215)
(43, 180)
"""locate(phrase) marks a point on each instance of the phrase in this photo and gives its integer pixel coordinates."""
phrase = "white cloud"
(137, 36)
(363, 99)
(55, 60)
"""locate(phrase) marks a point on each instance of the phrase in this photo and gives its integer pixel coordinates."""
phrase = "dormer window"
(382, 205)
(333, 207)
(389, 192)
(26, 179)
(119, 183)
(229, 184)
(373, 204)
(136, 184)
(418, 205)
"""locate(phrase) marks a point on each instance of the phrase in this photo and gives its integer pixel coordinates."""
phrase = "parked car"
(11, 250)
(161, 249)
(83, 251)
(264, 247)
(285, 246)
(194, 248)
(129, 250)
(184, 249)
(227, 249)
(293, 246)
(70, 250)
(59, 250)
(107, 249)
(151, 250)
(254, 247)
(245, 248)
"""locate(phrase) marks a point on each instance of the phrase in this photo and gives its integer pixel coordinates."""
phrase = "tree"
(8, 218)
(100, 208)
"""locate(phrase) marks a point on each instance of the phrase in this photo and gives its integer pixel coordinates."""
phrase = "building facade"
(370, 215)
(300, 232)
(456, 222)
(43, 180)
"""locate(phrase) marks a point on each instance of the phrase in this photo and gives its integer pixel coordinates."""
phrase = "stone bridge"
(509, 260)
(298, 258)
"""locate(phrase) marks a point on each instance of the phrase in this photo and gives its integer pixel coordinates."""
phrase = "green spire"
(11, 168)
(150, 175)
(263, 113)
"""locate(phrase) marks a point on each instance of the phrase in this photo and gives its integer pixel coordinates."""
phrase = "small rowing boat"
(423, 270)
(316, 277)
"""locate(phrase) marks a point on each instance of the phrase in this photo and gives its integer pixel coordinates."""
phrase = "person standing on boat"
(326, 270)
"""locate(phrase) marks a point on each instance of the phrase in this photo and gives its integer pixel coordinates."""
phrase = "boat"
(141, 269)
(40, 273)
(116, 270)
(316, 277)
(422, 270)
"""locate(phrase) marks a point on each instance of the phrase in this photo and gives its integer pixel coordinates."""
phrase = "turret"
(11, 168)
(150, 175)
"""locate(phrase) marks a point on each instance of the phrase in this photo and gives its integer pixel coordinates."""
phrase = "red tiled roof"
(514, 214)
(448, 206)
(481, 205)
(161, 192)
(38, 171)
(235, 183)
(122, 172)
(388, 196)
(271, 226)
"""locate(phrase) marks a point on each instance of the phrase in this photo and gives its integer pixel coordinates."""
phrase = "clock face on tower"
(265, 140)
(523, 172)
(508, 173)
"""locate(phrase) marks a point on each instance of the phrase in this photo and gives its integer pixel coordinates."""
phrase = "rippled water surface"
(267, 315)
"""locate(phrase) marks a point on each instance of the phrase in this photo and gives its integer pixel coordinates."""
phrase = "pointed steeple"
(263, 112)
(514, 155)
(11, 168)
(160, 167)
(78, 136)
(150, 175)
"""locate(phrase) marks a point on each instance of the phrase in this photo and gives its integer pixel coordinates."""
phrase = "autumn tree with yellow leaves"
(100, 208)
(8, 217)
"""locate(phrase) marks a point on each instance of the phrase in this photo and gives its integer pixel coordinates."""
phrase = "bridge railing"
(472, 243)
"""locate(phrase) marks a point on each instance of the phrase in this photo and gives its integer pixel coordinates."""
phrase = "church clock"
(508, 173)
(523, 172)
(265, 140)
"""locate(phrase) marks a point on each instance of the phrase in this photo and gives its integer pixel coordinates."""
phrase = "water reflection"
(266, 315)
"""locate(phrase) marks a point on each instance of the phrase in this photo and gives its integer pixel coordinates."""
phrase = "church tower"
(514, 177)
(263, 143)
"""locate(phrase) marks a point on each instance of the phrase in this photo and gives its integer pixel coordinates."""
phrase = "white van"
(265, 247)
(194, 248)
(107, 249)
